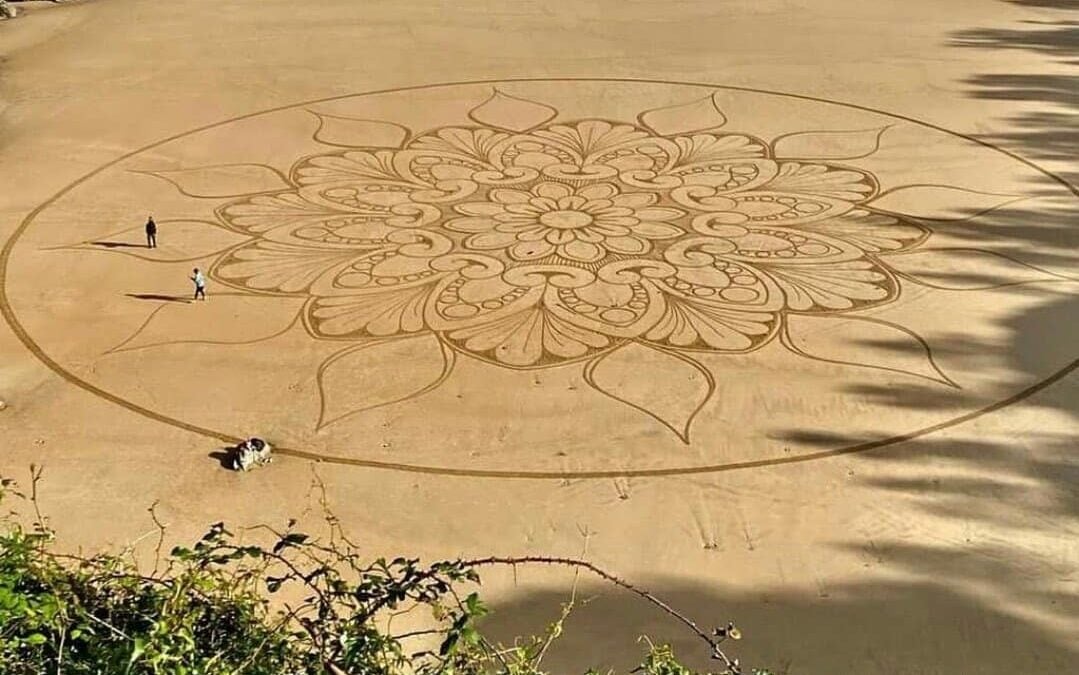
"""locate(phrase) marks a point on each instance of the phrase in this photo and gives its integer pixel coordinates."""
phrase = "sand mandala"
(547, 278)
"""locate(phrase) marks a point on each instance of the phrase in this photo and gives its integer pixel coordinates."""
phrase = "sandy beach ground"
(858, 443)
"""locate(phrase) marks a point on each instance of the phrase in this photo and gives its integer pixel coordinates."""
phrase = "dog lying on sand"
(249, 454)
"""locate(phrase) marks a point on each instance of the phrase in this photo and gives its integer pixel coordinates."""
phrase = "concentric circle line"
(20, 332)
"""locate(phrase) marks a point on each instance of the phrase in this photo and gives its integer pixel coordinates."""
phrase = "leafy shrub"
(206, 609)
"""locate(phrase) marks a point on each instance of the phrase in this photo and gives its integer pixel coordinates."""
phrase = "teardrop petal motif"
(224, 180)
(940, 202)
(668, 386)
(348, 132)
(684, 118)
(864, 342)
(854, 144)
(511, 113)
(365, 376)
(967, 269)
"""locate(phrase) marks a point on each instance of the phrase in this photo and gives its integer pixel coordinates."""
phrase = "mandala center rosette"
(560, 243)
(577, 225)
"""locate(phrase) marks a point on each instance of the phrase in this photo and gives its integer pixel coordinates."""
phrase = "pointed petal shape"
(272, 266)
(177, 241)
(967, 269)
(263, 213)
(854, 144)
(511, 113)
(349, 132)
(666, 385)
(822, 181)
(224, 318)
(224, 180)
(839, 285)
(684, 118)
(940, 202)
(380, 372)
(863, 342)
(871, 232)
(395, 311)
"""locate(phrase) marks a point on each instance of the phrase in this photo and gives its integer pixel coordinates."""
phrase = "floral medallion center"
(565, 219)
(583, 225)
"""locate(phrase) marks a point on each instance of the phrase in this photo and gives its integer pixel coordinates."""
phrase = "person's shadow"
(117, 244)
(159, 297)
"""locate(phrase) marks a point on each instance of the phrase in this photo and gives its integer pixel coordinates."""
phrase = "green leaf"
(137, 652)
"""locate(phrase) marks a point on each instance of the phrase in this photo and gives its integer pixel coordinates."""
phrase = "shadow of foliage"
(868, 629)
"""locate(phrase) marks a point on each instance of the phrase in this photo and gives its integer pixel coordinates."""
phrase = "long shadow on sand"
(158, 297)
(865, 629)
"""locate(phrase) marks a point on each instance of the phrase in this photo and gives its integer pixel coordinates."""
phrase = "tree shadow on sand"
(864, 629)
(1052, 132)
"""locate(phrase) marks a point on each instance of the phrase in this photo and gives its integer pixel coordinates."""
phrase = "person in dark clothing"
(151, 233)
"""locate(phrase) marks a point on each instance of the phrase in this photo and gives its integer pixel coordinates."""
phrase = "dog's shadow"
(223, 457)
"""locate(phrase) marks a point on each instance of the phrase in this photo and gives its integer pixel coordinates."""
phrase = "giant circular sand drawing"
(551, 278)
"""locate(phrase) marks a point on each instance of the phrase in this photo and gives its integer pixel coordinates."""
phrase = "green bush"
(206, 610)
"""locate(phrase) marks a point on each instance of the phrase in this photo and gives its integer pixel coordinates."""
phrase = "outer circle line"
(20, 332)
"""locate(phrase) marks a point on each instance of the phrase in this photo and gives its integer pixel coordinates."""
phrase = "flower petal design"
(178, 241)
(967, 269)
(684, 118)
(940, 202)
(711, 326)
(224, 318)
(393, 312)
(375, 169)
(511, 113)
(706, 148)
(821, 181)
(833, 286)
(853, 144)
(530, 338)
(363, 377)
(667, 386)
(224, 180)
(592, 142)
(262, 213)
(871, 232)
(285, 268)
(864, 342)
(348, 132)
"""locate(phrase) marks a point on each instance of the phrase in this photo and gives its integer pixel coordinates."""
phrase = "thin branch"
(713, 644)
